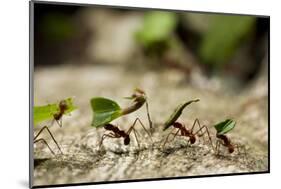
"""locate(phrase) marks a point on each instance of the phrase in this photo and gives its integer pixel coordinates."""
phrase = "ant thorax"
(224, 138)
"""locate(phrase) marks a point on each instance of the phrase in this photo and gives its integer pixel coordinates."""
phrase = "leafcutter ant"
(115, 132)
(182, 130)
(106, 110)
(222, 128)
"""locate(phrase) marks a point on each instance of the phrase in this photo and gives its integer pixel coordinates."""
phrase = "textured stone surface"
(83, 161)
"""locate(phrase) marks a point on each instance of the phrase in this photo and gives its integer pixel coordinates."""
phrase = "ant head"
(63, 105)
(108, 126)
(127, 140)
(192, 139)
(177, 125)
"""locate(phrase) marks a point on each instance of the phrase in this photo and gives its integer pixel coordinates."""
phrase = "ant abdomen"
(127, 140)
(192, 139)
(230, 149)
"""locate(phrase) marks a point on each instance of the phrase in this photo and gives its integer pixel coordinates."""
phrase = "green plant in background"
(156, 31)
(55, 112)
(223, 37)
(58, 27)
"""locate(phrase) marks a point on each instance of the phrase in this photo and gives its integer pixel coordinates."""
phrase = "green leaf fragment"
(105, 111)
(44, 113)
(225, 126)
(176, 114)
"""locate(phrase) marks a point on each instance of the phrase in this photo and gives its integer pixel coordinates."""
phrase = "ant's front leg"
(46, 128)
(111, 135)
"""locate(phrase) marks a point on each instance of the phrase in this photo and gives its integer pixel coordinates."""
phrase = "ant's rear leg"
(148, 116)
(217, 148)
(45, 142)
(50, 133)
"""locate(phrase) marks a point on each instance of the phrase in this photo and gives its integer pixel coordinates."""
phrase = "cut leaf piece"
(44, 113)
(176, 114)
(105, 111)
(225, 126)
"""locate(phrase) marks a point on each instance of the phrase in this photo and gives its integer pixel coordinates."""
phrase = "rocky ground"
(84, 161)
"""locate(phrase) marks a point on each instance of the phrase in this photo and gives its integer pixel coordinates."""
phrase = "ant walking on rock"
(115, 132)
(106, 110)
(222, 128)
(182, 130)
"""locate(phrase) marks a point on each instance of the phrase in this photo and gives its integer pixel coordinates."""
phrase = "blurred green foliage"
(157, 28)
(223, 37)
(58, 27)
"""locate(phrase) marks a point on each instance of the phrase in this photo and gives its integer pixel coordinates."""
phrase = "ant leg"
(200, 128)
(217, 147)
(148, 116)
(132, 127)
(208, 133)
(134, 130)
(44, 141)
(111, 135)
(171, 133)
(46, 128)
